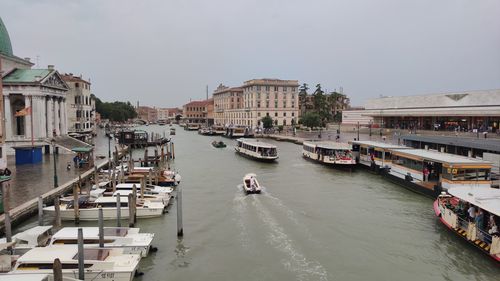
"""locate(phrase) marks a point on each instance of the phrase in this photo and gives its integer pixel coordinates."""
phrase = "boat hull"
(90, 275)
(459, 232)
(339, 164)
(431, 193)
(260, 159)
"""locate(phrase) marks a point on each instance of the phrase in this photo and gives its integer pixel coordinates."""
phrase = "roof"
(199, 102)
(329, 145)
(90, 232)
(26, 75)
(5, 45)
(440, 156)
(475, 143)
(46, 254)
(72, 78)
(380, 144)
(256, 143)
(110, 200)
(484, 197)
(82, 149)
(31, 235)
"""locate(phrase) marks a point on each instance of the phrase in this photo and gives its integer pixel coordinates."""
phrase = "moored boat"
(218, 130)
(256, 150)
(192, 127)
(172, 131)
(99, 264)
(125, 238)
(429, 172)
(250, 184)
(37, 236)
(89, 210)
(330, 153)
(481, 230)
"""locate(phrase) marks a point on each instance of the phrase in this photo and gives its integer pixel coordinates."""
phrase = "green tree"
(267, 122)
(115, 111)
(311, 120)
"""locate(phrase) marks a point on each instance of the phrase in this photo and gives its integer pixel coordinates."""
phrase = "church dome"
(5, 45)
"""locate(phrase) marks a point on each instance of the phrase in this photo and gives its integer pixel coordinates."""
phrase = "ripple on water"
(294, 261)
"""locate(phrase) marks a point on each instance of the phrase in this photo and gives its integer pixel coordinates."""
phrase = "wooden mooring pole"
(75, 204)
(101, 228)
(118, 210)
(40, 210)
(180, 228)
(81, 264)
(130, 210)
(57, 208)
(173, 151)
(57, 270)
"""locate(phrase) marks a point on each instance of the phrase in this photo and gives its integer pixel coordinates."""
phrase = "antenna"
(207, 92)
(37, 61)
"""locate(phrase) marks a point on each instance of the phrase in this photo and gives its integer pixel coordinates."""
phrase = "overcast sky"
(164, 53)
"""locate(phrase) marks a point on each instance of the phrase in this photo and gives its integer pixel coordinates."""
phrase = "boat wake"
(240, 208)
(295, 261)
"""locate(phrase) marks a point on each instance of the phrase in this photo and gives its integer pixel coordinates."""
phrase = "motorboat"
(256, 150)
(218, 144)
(250, 184)
(89, 210)
(37, 236)
(99, 263)
(132, 242)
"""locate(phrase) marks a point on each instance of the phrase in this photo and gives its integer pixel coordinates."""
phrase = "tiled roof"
(26, 75)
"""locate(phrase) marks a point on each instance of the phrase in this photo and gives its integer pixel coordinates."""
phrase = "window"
(285, 89)
(258, 114)
(293, 89)
(293, 114)
(258, 88)
(267, 104)
(267, 113)
(275, 104)
(276, 114)
(267, 96)
(267, 88)
(284, 114)
(77, 85)
(258, 104)
(276, 88)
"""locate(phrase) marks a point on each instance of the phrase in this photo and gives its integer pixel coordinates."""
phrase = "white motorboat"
(153, 188)
(114, 237)
(37, 236)
(100, 264)
(256, 150)
(250, 184)
(31, 277)
(163, 198)
(117, 169)
(89, 210)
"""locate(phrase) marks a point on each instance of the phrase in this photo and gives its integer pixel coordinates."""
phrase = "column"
(8, 118)
(64, 119)
(56, 116)
(42, 116)
(27, 118)
(48, 106)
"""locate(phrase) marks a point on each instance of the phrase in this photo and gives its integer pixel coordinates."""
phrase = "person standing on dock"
(426, 174)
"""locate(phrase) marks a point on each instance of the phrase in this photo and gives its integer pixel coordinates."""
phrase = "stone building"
(34, 100)
(255, 99)
(228, 104)
(199, 112)
(80, 106)
(463, 111)
(147, 113)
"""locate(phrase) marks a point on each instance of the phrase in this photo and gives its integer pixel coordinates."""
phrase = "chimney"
(38, 78)
(50, 67)
(27, 59)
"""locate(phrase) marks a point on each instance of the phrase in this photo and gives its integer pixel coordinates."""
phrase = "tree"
(267, 122)
(115, 111)
(303, 97)
(311, 119)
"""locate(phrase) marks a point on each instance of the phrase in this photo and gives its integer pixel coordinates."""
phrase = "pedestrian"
(426, 174)
(7, 172)
(472, 213)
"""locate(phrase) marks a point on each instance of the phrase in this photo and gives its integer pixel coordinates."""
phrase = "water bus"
(192, 127)
(100, 264)
(429, 172)
(375, 155)
(327, 152)
(218, 130)
(256, 150)
(131, 242)
(453, 209)
(237, 132)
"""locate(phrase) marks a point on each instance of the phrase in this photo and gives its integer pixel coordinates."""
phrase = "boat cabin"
(327, 152)
(370, 153)
(429, 168)
(256, 149)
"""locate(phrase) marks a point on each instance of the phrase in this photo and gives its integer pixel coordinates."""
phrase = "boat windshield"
(94, 254)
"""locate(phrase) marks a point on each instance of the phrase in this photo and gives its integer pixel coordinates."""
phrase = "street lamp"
(53, 142)
(370, 126)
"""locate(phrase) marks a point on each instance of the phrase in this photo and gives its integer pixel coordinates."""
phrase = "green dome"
(5, 46)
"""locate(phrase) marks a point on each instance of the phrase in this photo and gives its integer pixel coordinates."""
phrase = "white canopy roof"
(256, 143)
(329, 145)
(485, 198)
(440, 156)
(380, 144)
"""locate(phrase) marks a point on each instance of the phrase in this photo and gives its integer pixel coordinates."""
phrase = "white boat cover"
(485, 198)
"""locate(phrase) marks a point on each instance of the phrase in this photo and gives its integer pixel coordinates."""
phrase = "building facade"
(146, 113)
(462, 111)
(228, 103)
(35, 106)
(162, 113)
(80, 106)
(199, 112)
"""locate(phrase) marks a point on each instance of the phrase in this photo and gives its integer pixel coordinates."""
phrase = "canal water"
(311, 223)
